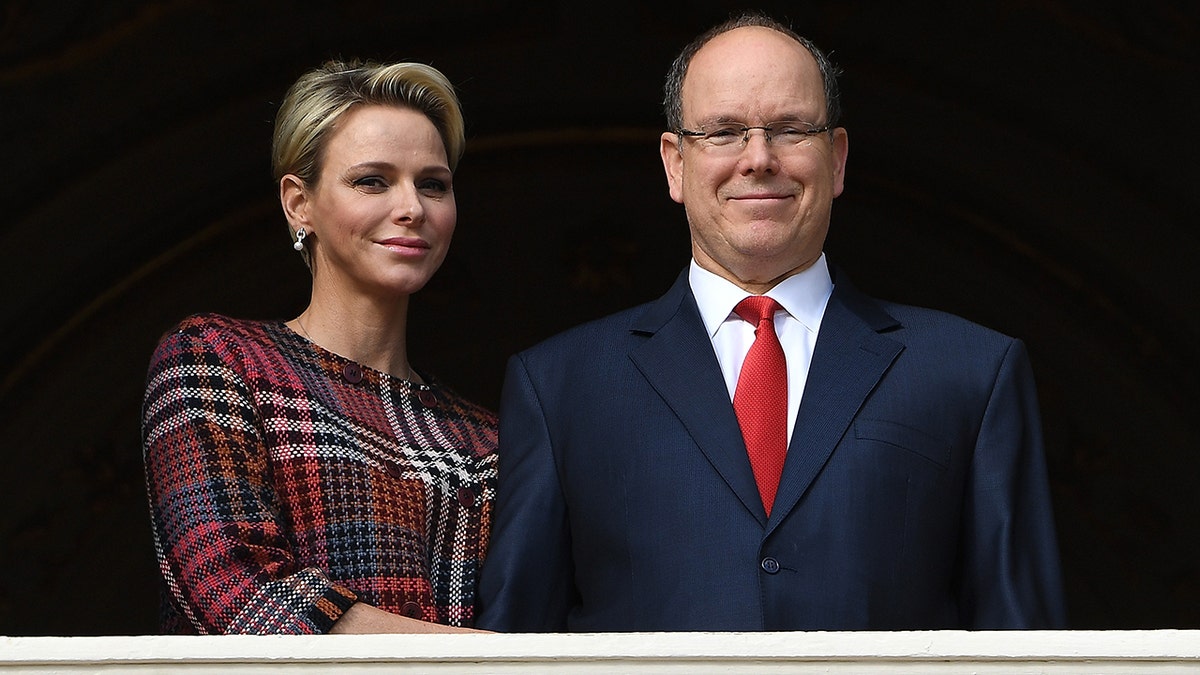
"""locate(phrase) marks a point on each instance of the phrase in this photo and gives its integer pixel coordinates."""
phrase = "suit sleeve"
(527, 581)
(1011, 577)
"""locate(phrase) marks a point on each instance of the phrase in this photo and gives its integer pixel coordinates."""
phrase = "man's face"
(758, 212)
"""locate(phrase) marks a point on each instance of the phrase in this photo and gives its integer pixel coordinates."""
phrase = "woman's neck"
(370, 332)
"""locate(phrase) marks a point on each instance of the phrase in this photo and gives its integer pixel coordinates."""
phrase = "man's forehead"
(748, 42)
(753, 67)
(749, 53)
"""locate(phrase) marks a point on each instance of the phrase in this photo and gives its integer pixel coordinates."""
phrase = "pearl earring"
(299, 243)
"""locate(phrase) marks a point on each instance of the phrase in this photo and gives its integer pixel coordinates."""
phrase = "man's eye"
(725, 132)
(789, 131)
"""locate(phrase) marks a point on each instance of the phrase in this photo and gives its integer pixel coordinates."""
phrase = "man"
(647, 482)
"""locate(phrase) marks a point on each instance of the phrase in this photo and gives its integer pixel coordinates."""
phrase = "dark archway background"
(1029, 164)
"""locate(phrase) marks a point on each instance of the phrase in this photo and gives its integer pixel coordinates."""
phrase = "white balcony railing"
(1157, 651)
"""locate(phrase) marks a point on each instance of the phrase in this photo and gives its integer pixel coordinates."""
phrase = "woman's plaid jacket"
(287, 482)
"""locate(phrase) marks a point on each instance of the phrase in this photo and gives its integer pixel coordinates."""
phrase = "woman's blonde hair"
(312, 106)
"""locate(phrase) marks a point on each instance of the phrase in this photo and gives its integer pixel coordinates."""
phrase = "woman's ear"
(294, 198)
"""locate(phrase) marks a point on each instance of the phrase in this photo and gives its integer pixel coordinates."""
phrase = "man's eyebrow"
(729, 119)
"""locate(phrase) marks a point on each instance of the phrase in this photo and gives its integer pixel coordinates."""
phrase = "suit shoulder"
(904, 321)
(924, 317)
(592, 337)
(587, 335)
(943, 330)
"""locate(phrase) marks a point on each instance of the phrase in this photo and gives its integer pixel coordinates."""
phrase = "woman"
(303, 477)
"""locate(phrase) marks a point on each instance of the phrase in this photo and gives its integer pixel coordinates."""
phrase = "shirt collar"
(802, 295)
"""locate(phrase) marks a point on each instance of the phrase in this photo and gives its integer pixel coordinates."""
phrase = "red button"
(466, 496)
(352, 373)
(427, 398)
(392, 468)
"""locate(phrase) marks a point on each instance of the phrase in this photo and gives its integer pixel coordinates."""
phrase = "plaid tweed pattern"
(287, 482)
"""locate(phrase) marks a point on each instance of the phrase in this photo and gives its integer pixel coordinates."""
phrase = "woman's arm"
(222, 550)
(363, 618)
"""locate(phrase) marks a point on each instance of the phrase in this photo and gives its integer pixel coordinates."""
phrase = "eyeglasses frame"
(746, 129)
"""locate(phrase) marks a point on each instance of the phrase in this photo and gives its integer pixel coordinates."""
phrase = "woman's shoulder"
(209, 324)
(230, 338)
(475, 427)
(463, 406)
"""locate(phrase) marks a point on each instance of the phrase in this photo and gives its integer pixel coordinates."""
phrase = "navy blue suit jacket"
(914, 494)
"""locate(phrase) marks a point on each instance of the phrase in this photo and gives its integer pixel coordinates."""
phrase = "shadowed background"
(1030, 165)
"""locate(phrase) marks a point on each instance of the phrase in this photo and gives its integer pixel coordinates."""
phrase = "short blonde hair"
(313, 104)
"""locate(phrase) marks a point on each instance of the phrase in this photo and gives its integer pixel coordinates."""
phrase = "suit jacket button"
(770, 565)
(352, 373)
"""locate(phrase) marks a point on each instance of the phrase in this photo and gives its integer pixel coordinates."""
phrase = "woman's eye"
(370, 182)
(433, 185)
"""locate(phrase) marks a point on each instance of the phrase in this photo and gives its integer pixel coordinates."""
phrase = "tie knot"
(756, 308)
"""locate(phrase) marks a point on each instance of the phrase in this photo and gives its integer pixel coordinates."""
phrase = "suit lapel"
(849, 359)
(677, 359)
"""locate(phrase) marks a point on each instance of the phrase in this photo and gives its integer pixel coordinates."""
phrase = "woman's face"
(383, 209)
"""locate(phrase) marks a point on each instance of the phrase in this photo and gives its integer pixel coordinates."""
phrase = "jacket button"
(352, 373)
(412, 610)
(427, 398)
(466, 496)
(392, 468)
(770, 565)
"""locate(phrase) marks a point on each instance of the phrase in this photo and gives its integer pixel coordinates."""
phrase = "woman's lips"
(405, 245)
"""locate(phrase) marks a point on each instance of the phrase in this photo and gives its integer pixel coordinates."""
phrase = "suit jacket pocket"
(904, 437)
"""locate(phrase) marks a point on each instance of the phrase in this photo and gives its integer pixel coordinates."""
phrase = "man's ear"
(672, 159)
(294, 199)
(841, 149)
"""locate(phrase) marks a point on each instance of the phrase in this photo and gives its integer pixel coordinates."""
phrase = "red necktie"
(760, 399)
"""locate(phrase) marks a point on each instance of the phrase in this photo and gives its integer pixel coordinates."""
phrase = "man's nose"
(758, 154)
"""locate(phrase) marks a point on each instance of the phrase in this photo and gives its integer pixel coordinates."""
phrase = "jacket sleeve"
(1010, 574)
(223, 554)
(526, 585)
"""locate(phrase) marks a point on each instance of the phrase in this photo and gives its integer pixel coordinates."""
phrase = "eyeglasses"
(733, 136)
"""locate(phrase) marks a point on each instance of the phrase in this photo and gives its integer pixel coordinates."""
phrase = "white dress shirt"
(803, 297)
